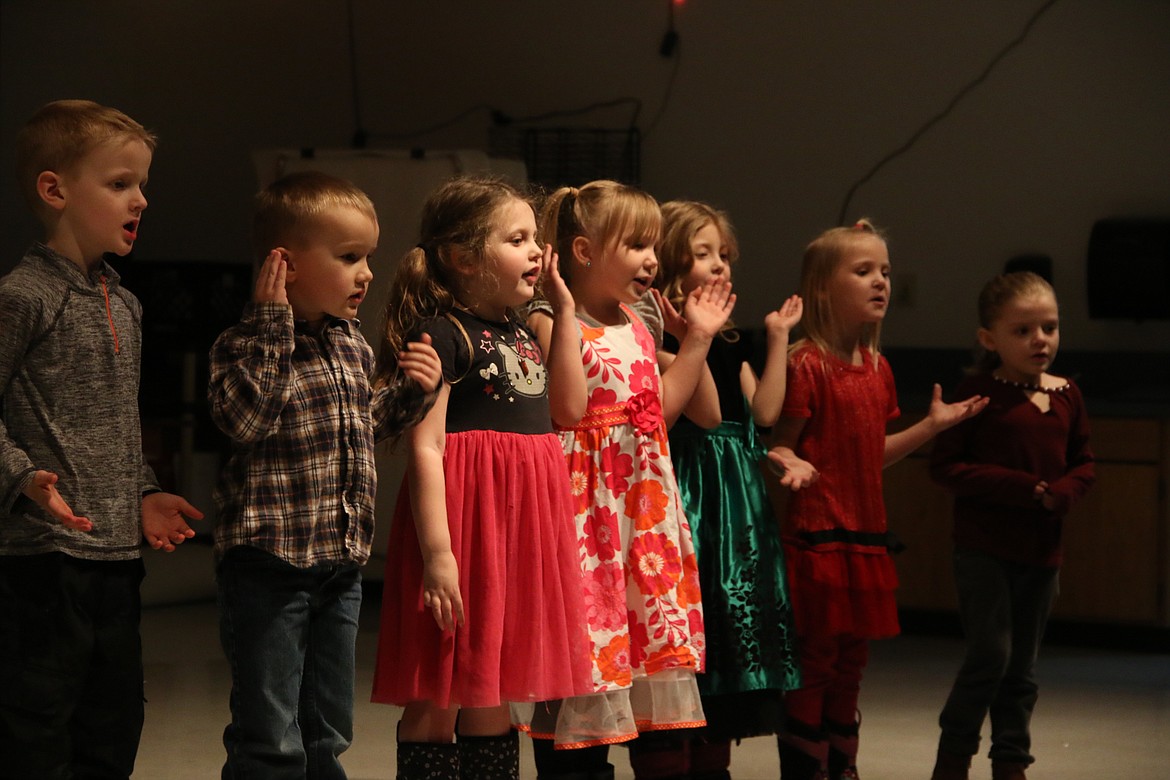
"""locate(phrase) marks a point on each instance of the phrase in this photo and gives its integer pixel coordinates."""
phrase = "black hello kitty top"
(496, 372)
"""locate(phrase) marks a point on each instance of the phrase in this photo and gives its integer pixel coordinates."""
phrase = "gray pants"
(1004, 608)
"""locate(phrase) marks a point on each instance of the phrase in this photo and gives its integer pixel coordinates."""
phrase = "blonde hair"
(62, 133)
(460, 214)
(290, 208)
(822, 257)
(605, 212)
(681, 221)
(997, 293)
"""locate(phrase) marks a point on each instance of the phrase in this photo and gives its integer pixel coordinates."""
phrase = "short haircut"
(286, 211)
(61, 133)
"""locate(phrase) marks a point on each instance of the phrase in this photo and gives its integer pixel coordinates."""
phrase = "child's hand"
(672, 322)
(556, 292)
(43, 491)
(1041, 494)
(420, 362)
(943, 415)
(270, 280)
(163, 521)
(441, 591)
(708, 307)
(795, 473)
(783, 320)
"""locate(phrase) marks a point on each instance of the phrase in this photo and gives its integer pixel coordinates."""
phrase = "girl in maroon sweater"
(1015, 470)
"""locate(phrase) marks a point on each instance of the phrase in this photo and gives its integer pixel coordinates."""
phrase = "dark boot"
(489, 758)
(660, 755)
(949, 766)
(1008, 770)
(428, 761)
(843, 740)
(587, 763)
(710, 759)
(804, 752)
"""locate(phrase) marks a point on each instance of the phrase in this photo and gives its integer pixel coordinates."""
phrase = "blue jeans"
(1004, 608)
(289, 635)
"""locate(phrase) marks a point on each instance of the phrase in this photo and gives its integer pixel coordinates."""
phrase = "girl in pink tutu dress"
(641, 590)
(482, 598)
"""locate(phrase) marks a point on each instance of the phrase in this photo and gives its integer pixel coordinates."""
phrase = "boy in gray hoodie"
(76, 494)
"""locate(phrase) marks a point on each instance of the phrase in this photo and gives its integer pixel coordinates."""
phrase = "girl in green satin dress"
(717, 457)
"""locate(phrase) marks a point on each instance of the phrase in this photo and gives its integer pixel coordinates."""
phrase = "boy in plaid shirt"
(291, 386)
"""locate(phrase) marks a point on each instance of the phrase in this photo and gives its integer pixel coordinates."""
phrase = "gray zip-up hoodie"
(69, 372)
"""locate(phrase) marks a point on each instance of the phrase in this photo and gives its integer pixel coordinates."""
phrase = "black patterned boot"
(489, 758)
(428, 761)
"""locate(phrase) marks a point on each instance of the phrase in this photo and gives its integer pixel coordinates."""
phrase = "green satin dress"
(750, 655)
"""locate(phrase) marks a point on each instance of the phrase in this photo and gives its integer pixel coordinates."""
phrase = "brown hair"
(289, 208)
(605, 212)
(822, 257)
(63, 132)
(997, 293)
(681, 220)
(460, 214)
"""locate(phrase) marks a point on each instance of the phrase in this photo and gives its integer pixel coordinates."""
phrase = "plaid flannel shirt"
(300, 412)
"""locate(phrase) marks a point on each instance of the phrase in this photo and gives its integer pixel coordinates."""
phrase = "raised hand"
(164, 522)
(781, 321)
(419, 361)
(707, 307)
(672, 322)
(555, 291)
(795, 473)
(270, 280)
(43, 491)
(944, 415)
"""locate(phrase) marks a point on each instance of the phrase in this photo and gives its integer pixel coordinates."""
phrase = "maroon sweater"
(992, 463)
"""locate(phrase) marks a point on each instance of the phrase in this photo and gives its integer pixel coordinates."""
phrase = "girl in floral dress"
(641, 591)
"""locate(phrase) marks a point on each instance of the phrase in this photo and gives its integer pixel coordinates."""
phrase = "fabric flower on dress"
(688, 587)
(601, 534)
(616, 466)
(645, 411)
(655, 565)
(644, 376)
(579, 481)
(613, 661)
(646, 504)
(605, 598)
(602, 396)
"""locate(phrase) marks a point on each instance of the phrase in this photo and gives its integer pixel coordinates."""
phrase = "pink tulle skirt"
(513, 536)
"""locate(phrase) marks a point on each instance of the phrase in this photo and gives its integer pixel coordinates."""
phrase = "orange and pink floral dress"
(641, 587)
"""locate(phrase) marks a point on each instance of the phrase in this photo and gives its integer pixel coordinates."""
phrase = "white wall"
(778, 107)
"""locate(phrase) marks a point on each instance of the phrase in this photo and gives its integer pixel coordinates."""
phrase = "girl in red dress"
(833, 424)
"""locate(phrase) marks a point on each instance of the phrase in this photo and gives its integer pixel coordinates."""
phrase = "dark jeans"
(290, 637)
(1004, 608)
(70, 667)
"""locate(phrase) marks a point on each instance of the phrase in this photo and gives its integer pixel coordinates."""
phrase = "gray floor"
(1102, 715)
